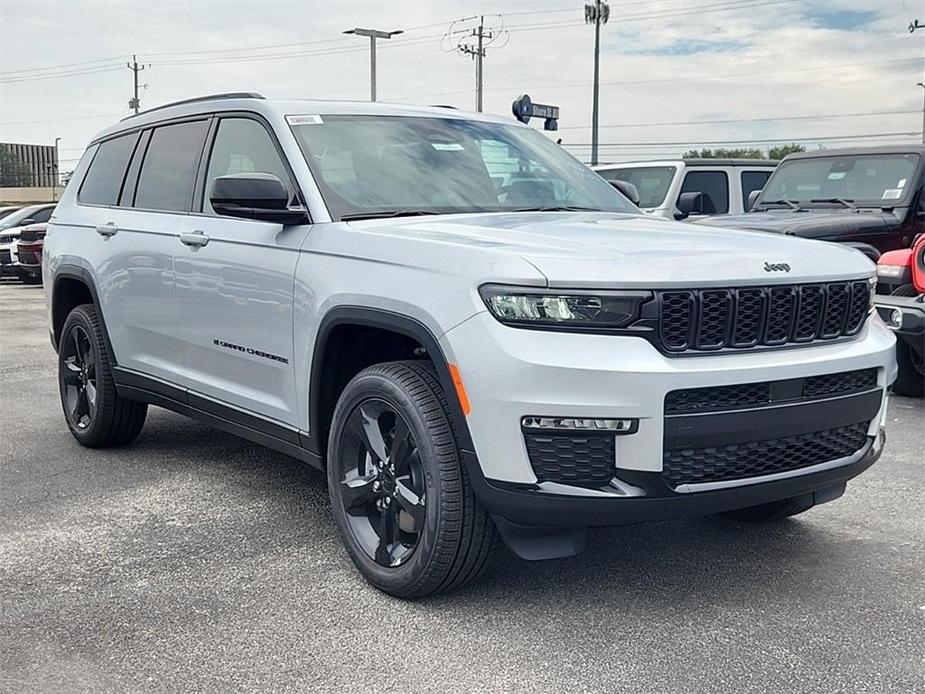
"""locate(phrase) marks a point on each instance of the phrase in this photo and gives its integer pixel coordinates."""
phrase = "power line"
(7, 73)
(474, 42)
(747, 142)
(749, 120)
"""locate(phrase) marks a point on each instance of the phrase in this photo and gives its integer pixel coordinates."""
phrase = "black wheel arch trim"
(385, 320)
(82, 275)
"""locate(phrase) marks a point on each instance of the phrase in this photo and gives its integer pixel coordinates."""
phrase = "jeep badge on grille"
(776, 267)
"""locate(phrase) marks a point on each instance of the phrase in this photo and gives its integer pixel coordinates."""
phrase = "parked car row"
(22, 233)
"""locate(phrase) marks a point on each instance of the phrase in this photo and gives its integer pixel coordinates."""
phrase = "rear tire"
(95, 413)
(776, 510)
(407, 514)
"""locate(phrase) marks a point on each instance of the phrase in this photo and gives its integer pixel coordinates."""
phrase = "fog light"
(896, 318)
(616, 426)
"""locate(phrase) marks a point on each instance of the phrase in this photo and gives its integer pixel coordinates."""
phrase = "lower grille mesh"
(757, 458)
(572, 458)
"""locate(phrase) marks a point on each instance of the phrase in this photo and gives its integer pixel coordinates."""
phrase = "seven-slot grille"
(711, 319)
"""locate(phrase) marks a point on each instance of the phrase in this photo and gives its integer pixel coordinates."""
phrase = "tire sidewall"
(379, 386)
(79, 318)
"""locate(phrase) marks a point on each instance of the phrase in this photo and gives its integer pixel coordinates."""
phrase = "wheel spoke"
(78, 355)
(386, 533)
(71, 373)
(91, 398)
(358, 492)
(372, 435)
(410, 503)
(402, 444)
(81, 407)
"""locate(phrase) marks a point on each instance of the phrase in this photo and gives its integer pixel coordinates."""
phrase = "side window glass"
(168, 173)
(243, 145)
(752, 180)
(43, 215)
(103, 181)
(715, 188)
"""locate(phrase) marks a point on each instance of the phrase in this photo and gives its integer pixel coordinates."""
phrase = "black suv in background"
(863, 195)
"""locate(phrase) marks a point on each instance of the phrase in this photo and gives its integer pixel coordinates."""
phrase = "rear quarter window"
(103, 182)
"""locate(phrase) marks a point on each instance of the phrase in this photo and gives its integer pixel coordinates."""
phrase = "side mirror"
(629, 191)
(688, 204)
(752, 199)
(27, 222)
(258, 196)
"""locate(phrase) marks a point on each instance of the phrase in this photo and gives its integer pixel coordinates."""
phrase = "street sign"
(524, 109)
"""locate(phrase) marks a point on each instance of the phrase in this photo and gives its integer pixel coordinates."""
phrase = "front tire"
(399, 490)
(95, 413)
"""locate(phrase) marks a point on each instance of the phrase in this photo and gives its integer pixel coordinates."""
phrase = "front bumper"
(513, 373)
(535, 508)
(905, 315)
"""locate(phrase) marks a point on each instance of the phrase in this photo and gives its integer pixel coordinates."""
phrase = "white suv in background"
(670, 188)
(473, 334)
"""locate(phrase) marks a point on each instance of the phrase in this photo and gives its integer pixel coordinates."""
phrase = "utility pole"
(922, 85)
(54, 173)
(373, 34)
(598, 13)
(478, 53)
(134, 102)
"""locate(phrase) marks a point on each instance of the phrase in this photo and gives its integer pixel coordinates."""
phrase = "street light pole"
(922, 85)
(599, 13)
(373, 34)
(54, 173)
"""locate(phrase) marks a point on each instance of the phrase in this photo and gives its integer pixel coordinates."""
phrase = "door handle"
(195, 239)
(108, 229)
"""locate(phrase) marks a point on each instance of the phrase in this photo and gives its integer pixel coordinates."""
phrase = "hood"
(596, 249)
(809, 224)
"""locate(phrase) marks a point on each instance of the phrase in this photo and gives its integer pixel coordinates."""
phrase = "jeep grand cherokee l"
(470, 356)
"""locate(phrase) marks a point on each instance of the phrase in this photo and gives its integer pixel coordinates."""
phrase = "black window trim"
(200, 189)
(688, 171)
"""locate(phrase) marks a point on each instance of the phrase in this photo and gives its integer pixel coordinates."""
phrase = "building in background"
(28, 166)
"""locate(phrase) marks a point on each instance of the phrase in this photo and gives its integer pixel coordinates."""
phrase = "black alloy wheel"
(382, 483)
(79, 381)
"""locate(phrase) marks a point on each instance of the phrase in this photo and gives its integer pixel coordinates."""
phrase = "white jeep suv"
(470, 356)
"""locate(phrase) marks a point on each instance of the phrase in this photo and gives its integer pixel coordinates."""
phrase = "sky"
(675, 74)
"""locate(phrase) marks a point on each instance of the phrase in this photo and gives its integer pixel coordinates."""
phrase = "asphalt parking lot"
(195, 561)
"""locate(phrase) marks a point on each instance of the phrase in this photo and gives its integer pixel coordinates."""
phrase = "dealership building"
(28, 173)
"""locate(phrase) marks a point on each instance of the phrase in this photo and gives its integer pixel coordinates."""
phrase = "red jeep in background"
(903, 273)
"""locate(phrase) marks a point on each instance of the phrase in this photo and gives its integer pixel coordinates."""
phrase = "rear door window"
(752, 180)
(168, 173)
(715, 188)
(103, 181)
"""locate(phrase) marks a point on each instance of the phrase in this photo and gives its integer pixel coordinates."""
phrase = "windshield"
(652, 182)
(377, 166)
(874, 179)
(17, 218)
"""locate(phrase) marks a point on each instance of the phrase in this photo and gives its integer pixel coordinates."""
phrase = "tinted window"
(168, 173)
(243, 145)
(715, 188)
(652, 182)
(43, 215)
(752, 180)
(103, 181)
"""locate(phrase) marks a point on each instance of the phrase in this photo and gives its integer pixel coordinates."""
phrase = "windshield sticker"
(836, 175)
(902, 183)
(304, 120)
(447, 146)
(892, 194)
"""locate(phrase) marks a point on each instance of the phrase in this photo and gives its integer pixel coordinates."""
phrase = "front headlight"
(578, 309)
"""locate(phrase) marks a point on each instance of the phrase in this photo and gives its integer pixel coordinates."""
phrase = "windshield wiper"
(381, 214)
(553, 208)
(841, 201)
(789, 203)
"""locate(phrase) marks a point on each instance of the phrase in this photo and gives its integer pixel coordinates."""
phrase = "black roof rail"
(455, 108)
(196, 99)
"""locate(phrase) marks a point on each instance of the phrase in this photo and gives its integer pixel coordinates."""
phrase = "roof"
(860, 151)
(760, 163)
(249, 101)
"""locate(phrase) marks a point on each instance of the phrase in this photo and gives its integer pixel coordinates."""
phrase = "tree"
(776, 152)
(14, 172)
(781, 151)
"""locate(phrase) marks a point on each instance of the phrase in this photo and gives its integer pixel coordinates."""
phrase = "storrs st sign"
(524, 109)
